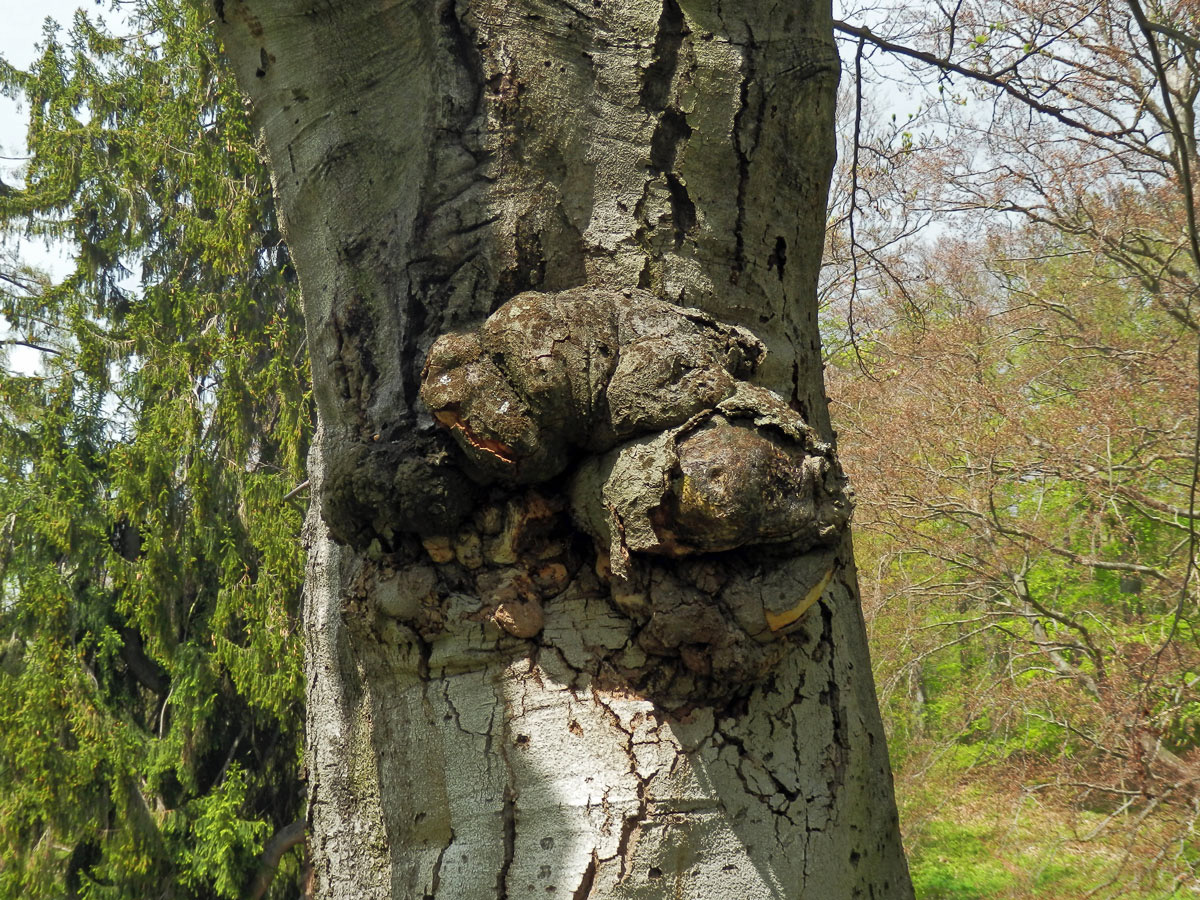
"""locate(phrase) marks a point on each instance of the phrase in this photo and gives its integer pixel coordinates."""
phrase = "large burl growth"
(643, 416)
(675, 451)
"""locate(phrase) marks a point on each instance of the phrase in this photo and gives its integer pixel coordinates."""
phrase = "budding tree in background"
(581, 615)
(1043, 526)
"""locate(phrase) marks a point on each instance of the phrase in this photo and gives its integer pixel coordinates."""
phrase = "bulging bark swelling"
(582, 617)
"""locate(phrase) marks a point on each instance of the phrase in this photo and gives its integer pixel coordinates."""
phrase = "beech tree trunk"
(582, 618)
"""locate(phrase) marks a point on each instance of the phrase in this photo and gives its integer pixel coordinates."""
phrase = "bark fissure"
(509, 824)
(435, 882)
(629, 830)
(668, 38)
(587, 881)
(671, 128)
(742, 149)
(415, 324)
(830, 697)
(631, 824)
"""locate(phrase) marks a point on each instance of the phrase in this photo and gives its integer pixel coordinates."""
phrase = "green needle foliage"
(150, 564)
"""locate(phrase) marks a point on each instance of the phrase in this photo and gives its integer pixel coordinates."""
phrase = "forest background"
(1011, 336)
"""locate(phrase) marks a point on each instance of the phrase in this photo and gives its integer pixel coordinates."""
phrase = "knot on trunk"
(673, 451)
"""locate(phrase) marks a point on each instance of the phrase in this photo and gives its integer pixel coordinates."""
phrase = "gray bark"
(559, 635)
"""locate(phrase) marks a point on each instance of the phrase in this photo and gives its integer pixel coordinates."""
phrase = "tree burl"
(640, 419)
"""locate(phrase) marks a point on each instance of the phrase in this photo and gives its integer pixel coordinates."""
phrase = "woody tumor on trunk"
(642, 412)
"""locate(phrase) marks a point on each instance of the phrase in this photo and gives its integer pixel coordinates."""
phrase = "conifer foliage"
(150, 567)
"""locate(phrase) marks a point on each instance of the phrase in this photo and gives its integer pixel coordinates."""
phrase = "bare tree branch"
(948, 65)
(284, 840)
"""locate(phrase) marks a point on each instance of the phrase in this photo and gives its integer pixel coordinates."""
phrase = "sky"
(22, 30)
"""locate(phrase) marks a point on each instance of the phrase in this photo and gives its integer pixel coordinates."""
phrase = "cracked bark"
(512, 691)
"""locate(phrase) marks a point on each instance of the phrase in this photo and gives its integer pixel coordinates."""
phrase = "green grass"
(956, 862)
(967, 840)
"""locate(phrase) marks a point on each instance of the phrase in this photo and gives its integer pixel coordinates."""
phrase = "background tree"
(1030, 597)
(1037, 544)
(500, 700)
(150, 586)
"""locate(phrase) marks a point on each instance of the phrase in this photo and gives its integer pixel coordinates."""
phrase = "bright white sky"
(22, 30)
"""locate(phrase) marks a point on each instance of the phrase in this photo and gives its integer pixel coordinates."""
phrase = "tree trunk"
(560, 561)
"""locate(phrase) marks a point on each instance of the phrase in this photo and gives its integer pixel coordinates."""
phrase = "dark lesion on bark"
(610, 442)
(393, 485)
